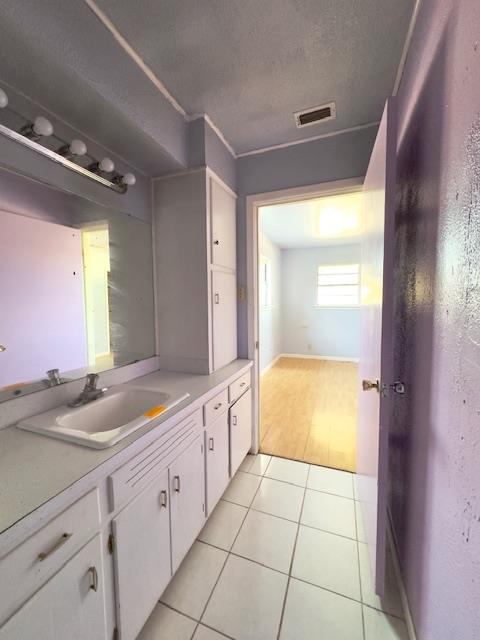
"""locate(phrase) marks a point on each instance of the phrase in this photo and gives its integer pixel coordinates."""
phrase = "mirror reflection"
(76, 296)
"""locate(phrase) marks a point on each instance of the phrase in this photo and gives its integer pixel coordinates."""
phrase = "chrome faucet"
(53, 378)
(89, 393)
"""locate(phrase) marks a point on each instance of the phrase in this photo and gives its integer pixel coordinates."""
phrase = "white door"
(224, 316)
(71, 605)
(376, 356)
(187, 499)
(142, 556)
(240, 430)
(223, 231)
(217, 460)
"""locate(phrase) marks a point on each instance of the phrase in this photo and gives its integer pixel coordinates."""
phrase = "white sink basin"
(105, 421)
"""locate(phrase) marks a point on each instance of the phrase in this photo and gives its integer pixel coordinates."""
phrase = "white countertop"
(35, 468)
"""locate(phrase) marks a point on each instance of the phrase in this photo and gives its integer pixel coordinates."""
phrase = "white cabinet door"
(224, 316)
(223, 232)
(187, 499)
(240, 430)
(142, 556)
(71, 605)
(217, 460)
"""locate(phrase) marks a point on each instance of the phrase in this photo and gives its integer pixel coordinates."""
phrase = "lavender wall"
(435, 441)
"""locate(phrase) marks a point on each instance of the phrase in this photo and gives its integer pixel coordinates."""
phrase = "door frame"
(253, 203)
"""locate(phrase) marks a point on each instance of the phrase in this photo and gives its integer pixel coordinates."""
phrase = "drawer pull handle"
(234, 421)
(217, 406)
(211, 444)
(94, 573)
(242, 384)
(163, 499)
(217, 298)
(45, 554)
(176, 483)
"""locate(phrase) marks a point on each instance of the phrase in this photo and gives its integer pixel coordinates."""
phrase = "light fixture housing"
(39, 128)
(75, 148)
(106, 165)
(3, 99)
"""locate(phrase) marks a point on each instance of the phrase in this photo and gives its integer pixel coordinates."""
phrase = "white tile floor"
(282, 557)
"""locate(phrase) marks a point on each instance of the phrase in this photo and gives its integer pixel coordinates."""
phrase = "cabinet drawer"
(238, 387)
(127, 481)
(215, 407)
(33, 562)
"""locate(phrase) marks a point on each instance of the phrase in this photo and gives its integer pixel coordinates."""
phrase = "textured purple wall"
(435, 445)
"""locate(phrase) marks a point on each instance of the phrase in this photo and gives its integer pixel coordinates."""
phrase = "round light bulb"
(129, 179)
(3, 99)
(107, 165)
(77, 148)
(42, 126)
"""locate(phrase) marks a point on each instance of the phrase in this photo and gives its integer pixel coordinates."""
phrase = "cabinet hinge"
(111, 548)
(115, 634)
(203, 507)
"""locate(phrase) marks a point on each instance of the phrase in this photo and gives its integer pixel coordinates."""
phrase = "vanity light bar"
(33, 131)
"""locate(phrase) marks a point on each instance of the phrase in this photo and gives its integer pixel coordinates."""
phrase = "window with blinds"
(338, 285)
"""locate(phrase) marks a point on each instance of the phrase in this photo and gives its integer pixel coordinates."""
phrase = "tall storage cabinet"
(195, 272)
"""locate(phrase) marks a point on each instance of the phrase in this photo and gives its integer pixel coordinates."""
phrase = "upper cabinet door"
(187, 499)
(222, 225)
(142, 556)
(224, 318)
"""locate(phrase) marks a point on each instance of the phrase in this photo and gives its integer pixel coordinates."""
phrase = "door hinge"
(115, 634)
(111, 543)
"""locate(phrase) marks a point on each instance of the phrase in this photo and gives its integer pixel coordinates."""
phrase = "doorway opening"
(309, 328)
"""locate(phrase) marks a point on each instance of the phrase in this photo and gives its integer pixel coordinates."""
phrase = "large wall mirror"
(76, 290)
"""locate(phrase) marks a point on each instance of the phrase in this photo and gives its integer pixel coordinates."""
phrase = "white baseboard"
(271, 364)
(403, 594)
(313, 357)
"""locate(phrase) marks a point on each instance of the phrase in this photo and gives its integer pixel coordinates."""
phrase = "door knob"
(367, 385)
(2, 348)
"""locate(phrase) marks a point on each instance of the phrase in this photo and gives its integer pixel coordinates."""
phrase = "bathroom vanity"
(91, 537)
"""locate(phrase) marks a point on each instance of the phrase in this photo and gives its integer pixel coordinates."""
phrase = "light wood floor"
(309, 411)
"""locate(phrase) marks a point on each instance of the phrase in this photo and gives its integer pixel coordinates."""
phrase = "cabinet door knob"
(217, 242)
(176, 483)
(217, 298)
(211, 444)
(94, 574)
(234, 421)
(163, 499)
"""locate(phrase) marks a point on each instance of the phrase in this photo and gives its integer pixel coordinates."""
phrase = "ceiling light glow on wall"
(40, 128)
(3, 99)
(336, 218)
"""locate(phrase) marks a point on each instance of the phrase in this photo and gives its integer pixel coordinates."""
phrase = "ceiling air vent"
(315, 115)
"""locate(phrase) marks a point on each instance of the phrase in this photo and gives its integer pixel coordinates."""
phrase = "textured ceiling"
(319, 222)
(250, 64)
(59, 54)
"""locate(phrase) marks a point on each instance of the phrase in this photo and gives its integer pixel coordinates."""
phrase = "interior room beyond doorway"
(309, 329)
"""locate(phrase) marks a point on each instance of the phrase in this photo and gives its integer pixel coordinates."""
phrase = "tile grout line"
(229, 553)
(337, 495)
(292, 559)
